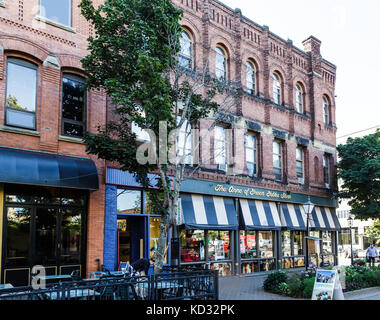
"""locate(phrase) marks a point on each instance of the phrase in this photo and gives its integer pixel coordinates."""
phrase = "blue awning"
(200, 212)
(259, 215)
(47, 169)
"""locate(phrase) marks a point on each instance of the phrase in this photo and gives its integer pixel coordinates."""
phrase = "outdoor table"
(74, 294)
(142, 287)
(6, 286)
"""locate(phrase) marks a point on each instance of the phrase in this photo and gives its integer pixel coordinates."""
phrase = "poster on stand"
(324, 284)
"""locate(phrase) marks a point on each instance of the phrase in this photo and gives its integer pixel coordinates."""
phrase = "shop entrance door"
(131, 239)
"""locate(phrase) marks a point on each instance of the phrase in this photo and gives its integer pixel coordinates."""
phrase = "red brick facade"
(57, 50)
(23, 36)
(210, 23)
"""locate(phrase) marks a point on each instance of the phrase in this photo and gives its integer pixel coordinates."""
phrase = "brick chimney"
(312, 46)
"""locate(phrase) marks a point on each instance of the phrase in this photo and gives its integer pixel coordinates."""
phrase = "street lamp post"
(350, 222)
(308, 207)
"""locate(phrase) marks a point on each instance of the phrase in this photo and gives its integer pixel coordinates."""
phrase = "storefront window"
(71, 236)
(225, 269)
(249, 267)
(154, 234)
(192, 245)
(298, 243)
(153, 202)
(18, 231)
(265, 244)
(128, 201)
(267, 265)
(219, 245)
(286, 244)
(327, 242)
(248, 244)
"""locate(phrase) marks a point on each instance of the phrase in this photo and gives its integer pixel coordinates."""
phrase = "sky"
(350, 35)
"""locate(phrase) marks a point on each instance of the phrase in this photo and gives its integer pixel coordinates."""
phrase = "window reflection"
(219, 245)
(58, 11)
(18, 231)
(71, 236)
(248, 244)
(192, 245)
(265, 244)
(128, 201)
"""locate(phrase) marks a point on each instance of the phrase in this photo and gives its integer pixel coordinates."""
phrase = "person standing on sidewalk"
(371, 254)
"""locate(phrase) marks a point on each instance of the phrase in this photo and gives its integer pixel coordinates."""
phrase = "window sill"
(71, 139)
(20, 131)
(54, 23)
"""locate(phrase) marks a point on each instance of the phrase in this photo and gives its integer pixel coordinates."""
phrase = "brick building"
(242, 209)
(52, 199)
(78, 209)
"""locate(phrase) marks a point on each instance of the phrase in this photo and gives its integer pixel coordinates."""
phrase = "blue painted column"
(110, 228)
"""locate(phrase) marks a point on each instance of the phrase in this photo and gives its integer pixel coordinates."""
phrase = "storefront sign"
(324, 285)
(227, 190)
(252, 192)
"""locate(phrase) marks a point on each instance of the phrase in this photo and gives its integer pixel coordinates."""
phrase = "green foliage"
(274, 279)
(358, 277)
(296, 286)
(283, 289)
(359, 168)
(308, 288)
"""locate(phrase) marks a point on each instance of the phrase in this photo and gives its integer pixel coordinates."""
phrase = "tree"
(134, 58)
(359, 168)
(373, 232)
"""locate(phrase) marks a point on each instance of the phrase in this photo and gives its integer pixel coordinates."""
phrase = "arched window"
(186, 53)
(251, 77)
(326, 110)
(299, 98)
(220, 63)
(277, 88)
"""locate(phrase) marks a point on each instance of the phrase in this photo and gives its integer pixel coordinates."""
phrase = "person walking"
(371, 254)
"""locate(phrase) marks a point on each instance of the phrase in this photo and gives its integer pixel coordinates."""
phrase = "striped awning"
(325, 219)
(259, 215)
(293, 217)
(200, 212)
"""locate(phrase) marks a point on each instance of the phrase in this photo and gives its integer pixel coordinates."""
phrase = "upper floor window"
(56, 10)
(74, 105)
(221, 63)
(277, 160)
(141, 134)
(184, 142)
(299, 98)
(326, 170)
(251, 77)
(220, 153)
(300, 164)
(251, 154)
(21, 94)
(326, 110)
(186, 52)
(277, 88)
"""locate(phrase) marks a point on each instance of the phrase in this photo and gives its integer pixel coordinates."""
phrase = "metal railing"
(180, 285)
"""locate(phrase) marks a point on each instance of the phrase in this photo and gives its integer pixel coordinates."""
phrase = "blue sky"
(350, 35)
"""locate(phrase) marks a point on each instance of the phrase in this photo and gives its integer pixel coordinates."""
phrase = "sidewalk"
(251, 288)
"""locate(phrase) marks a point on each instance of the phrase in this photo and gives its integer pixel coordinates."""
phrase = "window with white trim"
(220, 63)
(326, 110)
(251, 77)
(184, 148)
(186, 52)
(300, 164)
(299, 98)
(326, 170)
(56, 10)
(277, 159)
(251, 154)
(277, 89)
(21, 94)
(220, 152)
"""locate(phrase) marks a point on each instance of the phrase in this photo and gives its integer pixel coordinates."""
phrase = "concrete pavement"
(251, 288)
